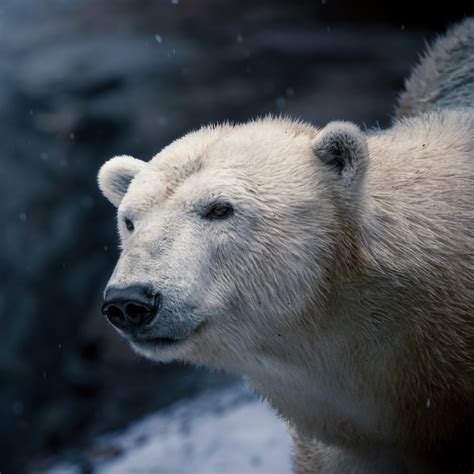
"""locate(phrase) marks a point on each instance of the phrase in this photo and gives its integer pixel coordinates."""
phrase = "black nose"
(131, 307)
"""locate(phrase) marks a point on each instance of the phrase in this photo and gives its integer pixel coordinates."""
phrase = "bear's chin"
(159, 349)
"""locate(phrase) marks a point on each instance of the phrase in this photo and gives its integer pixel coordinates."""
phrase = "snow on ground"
(227, 432)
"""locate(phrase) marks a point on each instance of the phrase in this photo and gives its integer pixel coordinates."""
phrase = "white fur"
(344, 295)
(445, 75)
(115, 176)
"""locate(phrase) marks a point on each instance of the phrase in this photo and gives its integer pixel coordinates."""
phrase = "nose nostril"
(136, 313)
(114, 314)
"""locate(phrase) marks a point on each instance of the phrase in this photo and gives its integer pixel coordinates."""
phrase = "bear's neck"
(321, 384)
(329, 376)
(320, 375)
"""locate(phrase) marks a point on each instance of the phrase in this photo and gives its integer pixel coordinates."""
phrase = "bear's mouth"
(157, 341)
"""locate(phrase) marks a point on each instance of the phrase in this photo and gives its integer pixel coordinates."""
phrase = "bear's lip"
(163, 342)
(157, 341)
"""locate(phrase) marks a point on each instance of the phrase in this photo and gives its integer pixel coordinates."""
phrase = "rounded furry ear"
(116, 175)
(342, 147)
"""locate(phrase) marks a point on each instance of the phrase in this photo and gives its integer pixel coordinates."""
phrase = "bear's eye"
(219, 211)
(129, 224)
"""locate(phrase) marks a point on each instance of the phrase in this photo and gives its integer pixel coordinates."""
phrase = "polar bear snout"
(130, 308)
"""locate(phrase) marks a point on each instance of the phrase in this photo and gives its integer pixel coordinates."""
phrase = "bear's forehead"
(268, 141)
(224, 157)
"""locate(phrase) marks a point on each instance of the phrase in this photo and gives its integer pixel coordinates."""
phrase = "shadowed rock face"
(81, 82)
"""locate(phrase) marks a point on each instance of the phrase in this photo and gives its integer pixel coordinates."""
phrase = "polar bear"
(333, 268)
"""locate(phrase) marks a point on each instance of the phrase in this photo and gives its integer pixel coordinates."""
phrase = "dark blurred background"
(83, 80)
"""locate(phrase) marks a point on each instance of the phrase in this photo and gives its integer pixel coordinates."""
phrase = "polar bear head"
(230, 236)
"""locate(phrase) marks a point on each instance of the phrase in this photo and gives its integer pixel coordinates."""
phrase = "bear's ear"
(342, 147)
(116, 175)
